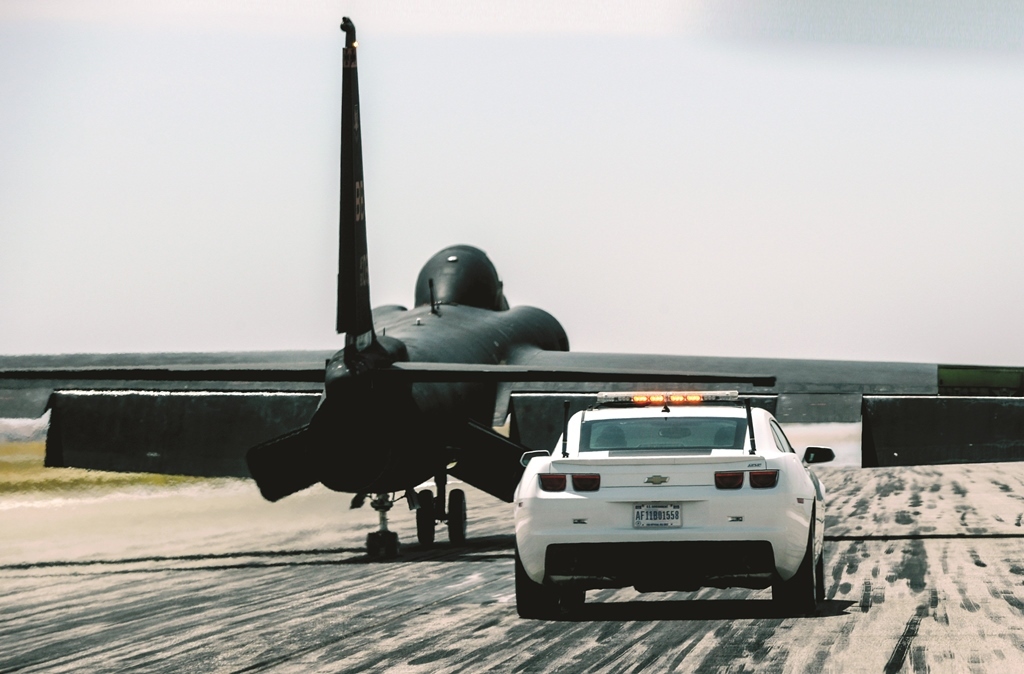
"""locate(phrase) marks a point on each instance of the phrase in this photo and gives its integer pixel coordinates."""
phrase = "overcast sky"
(791, 179)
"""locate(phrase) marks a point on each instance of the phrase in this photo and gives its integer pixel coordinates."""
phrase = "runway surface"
(924, 566)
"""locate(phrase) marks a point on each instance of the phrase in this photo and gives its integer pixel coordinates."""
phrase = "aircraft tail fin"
(354, 314)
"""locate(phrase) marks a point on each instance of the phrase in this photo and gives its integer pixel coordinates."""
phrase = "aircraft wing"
(198, 414)
(802, 390)
(26, 382)
(179, 413)
(564, 373)
(789, 374)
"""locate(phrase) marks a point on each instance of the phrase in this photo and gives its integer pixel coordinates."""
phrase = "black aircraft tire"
(391, 545)
(383, 544)
(798, 595)
(425, 518)
(373, 548)
(533, 600)
(457, 517)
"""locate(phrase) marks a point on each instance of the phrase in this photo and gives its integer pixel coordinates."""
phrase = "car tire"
(570, 601)
(426, 519)
(533, 600)
(819, 577)
(457, 517)
(798, 595)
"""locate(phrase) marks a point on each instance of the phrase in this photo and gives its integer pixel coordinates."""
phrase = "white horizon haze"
(789, 180)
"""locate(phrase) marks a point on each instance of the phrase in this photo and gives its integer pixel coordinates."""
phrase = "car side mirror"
(528, 456)
(818, 455)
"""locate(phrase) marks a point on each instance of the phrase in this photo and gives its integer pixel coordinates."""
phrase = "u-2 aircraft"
(414, 394)
(417, 387)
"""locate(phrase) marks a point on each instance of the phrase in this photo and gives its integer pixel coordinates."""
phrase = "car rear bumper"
(661, 565)
(768, 542)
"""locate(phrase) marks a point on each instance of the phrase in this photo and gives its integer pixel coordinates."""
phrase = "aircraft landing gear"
(432, 511)
(457, 517)
(425, 518)
(382, 543)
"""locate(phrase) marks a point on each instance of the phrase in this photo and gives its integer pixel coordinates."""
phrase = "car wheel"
(798, 595)
(570, 601)
(533, 600)
(457, 517)
(425, 518)
(819, 577)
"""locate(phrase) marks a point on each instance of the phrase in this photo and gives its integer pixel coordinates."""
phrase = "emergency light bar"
(643, 398)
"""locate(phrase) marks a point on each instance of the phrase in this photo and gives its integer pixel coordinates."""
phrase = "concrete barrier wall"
(923, 430)
(202, 433)
(818, 408)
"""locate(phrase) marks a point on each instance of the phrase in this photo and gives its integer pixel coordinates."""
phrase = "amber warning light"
(642, 398)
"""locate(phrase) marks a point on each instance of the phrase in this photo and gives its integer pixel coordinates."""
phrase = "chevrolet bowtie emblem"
(656, 479)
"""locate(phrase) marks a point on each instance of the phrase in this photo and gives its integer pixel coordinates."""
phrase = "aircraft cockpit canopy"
(461, 275)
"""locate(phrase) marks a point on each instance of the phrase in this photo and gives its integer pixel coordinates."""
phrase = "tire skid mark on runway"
(834, 643)
(1009, 597)
(920, 537)
(865, 597)
(84, 635)
(124, 603)
(853, 513)
(668, 635)
(848, 563)
(134, 566)
(913, 566)
(937, 609)
(371, 623)
(360, 659)
(404, 616)
(918, 663)
(566, 646)
(749, 644)
(180, 558)
(405, 625)
(687, 647)
(189, 569)
(966, 602)
(899, 654)
(683, 637)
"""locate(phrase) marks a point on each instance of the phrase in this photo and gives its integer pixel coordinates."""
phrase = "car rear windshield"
(683, 433)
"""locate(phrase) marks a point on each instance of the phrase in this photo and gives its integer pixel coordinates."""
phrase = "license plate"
(657, 515)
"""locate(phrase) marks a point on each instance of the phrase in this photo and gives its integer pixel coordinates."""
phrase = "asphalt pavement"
(924, 570)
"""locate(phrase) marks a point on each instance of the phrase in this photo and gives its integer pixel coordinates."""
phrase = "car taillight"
(764, 479)
(586, 482)
(729, 480)
(552, 481)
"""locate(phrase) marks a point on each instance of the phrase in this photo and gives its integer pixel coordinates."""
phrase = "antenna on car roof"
(750, 425)
(565, 431)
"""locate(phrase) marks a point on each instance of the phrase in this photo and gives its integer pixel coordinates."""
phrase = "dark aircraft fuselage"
(379, 435)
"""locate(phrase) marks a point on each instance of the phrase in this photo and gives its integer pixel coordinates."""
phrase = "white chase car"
(669, 492)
